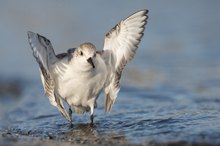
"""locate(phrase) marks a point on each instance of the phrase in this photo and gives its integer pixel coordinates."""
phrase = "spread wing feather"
(45, 56)
(120, 45)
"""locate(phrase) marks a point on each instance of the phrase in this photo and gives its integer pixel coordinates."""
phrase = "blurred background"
(180, 49)
(180, 46)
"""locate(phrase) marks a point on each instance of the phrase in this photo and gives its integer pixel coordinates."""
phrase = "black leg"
(70, 115)
(91, 116)
(91, 119)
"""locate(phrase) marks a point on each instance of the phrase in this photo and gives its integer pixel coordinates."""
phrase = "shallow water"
(170, 91)
(139, 115)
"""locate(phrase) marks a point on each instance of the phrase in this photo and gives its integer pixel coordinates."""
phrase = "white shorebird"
(78, 76)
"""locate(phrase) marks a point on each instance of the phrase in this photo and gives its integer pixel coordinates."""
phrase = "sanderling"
(78, 76)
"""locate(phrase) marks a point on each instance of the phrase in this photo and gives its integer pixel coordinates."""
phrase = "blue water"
(170, 91)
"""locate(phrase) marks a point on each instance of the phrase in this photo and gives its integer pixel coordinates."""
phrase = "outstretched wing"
(42, 50)
(120, 46)
(45, 56)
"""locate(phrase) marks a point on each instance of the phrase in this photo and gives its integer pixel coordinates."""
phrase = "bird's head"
(86, 54)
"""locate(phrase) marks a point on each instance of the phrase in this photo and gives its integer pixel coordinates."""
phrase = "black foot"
(70, 125)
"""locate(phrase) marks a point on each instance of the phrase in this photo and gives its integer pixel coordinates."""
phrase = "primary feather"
(121, 43)
(45, 56)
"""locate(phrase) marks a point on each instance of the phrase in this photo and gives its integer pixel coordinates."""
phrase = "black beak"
(91, 62)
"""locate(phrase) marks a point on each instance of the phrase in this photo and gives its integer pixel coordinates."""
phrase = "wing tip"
(31, 34)
(145, 11)
(108, 103)
(142, 12)
(142, 15)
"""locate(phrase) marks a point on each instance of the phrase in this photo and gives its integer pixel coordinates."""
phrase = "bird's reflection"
(88, 132)
(83, 131)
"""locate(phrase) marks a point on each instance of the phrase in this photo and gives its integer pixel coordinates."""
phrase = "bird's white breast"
(78, 87)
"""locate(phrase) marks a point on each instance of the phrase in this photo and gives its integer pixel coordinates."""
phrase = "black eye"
(81, 53)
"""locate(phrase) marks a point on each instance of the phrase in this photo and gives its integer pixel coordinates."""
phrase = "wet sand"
(23, 140)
